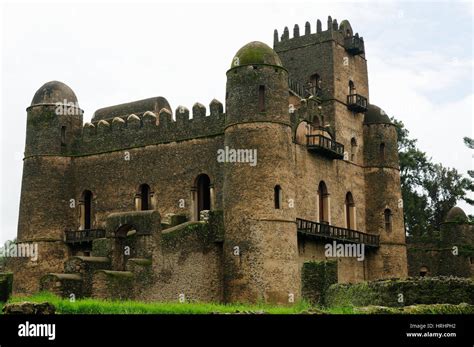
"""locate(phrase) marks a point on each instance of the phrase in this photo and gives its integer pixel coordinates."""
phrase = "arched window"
(277, 196)
(261, 98)
(353, 148)
(423, 271)
(323, 201)
(86, 210)
(352, 88)
(144, 195)
(350, 212)
(203, 194)
(388, 220)
(382, 151)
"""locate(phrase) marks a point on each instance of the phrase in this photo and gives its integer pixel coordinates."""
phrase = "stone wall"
(410, 291)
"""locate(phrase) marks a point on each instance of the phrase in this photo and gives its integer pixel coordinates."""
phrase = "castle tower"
(47, 204)
(330, 64)
(260, 246)
(384, 206)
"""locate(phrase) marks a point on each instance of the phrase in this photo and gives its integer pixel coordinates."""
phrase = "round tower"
(47, 204)
(260, 246)
(384, 216)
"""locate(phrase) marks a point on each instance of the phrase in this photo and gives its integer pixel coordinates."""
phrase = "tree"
(429, 189)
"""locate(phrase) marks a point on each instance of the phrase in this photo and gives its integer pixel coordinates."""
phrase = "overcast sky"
(419, 54)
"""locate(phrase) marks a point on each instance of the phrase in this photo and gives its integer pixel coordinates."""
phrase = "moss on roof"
(256, 53)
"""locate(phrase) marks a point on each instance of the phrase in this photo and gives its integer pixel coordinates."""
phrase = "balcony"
(325, 146)
(356, 103)
(87, 235)
(326, 231)
(354, 45)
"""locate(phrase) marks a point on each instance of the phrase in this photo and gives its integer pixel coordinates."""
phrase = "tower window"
(353, 148)
(261, 99)
(352, 88)
(315, 84)
(388, 220)
(382, 152)
(63, 135)
(323, 202)
(277, 196)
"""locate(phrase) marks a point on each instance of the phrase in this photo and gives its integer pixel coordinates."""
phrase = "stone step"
(108, 284)
(86, 266)
(63, 285)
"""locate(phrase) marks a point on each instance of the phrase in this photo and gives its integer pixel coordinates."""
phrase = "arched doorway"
(144, 195)
(203, 191)
(350, 211)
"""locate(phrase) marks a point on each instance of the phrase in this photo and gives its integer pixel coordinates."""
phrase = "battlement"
(341, 33)
(146, 128)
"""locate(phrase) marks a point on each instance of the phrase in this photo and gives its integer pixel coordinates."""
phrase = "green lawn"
(96, 306)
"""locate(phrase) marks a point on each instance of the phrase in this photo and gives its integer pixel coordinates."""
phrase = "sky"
(420, 63)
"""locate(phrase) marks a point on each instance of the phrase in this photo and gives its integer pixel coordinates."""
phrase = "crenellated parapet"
(148, 127)
(341, 33)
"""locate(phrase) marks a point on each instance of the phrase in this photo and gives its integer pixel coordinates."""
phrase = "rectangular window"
(63, 135)
(261, 99)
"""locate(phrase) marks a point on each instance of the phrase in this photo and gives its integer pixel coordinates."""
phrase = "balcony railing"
(354, 45)
(356, 103)
(87, 235)
(335, 233)
(325, 146)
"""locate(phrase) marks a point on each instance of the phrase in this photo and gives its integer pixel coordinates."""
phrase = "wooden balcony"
(356, 103)
(326, 231)
(325, 146)
(354, 45)
(87, 235)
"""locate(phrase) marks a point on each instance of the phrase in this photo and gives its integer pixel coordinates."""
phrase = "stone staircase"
(93, 276)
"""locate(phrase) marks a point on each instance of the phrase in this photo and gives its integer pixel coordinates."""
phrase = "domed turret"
(54, 92)
(255, 53)
(456, 214)
(375, 115)
(54, 120)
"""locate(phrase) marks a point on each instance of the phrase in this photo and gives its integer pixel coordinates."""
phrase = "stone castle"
(226, 206)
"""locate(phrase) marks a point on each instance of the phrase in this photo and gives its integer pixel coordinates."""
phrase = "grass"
(97, 306)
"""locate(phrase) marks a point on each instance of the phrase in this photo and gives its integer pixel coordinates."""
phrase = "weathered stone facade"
(122, 196)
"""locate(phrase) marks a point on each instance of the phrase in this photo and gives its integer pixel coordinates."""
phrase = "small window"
(261, 99)
(145, 197)
(388, 220)
(277, 196)
(353, 148)
(63, 135)
(382, 152)
(423, 271)
(352, 88)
